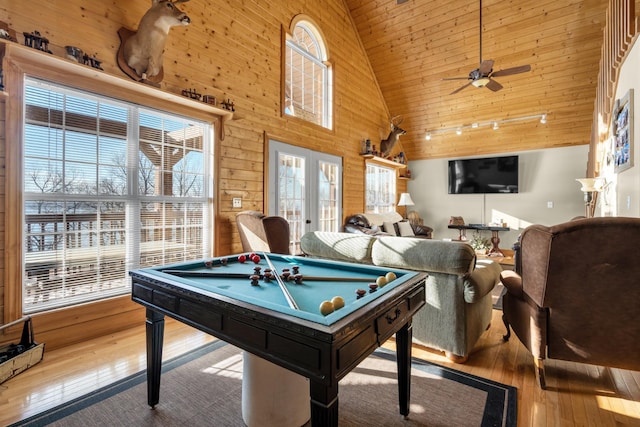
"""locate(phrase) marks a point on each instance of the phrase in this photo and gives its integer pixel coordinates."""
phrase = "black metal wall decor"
(36, 41)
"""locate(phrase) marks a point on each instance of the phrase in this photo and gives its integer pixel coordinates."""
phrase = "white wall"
(545, 176)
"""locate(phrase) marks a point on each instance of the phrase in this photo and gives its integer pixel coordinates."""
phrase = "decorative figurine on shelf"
(209, 99)
(92, 61)
(191, 93)
(74, 53)
(228, 105)
(140, 53)
(386, 145)
(36, 41)
(6, 35)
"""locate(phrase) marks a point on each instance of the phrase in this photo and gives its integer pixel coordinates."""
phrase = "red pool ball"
(255, 258)
(242, 258)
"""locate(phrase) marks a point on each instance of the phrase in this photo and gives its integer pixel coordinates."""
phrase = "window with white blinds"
(109, 186)
(380, 191)
(308, 76)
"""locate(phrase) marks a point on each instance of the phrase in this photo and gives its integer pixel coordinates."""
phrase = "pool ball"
(242, 258)
(381, 281)
(390, 276)
(326, 308)
(338, 302)
(255, 258)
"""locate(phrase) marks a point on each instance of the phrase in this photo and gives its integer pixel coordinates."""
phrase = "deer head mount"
(143, 50)
(386, 145)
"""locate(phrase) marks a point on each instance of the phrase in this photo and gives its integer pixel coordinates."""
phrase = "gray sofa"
(458, 287)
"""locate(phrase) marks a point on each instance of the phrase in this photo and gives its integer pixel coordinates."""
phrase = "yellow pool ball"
(338, 302)
(390, 276)
(326, 308)
(381, 281)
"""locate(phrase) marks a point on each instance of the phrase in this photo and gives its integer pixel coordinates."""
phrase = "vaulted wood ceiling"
(413, 45)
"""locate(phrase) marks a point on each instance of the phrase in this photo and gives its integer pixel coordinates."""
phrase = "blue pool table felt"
(308, 295)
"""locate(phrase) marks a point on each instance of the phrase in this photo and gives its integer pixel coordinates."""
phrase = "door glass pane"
(292, 187)
(328, 190)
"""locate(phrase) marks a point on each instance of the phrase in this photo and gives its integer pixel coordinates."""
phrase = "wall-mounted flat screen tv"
(483, 175)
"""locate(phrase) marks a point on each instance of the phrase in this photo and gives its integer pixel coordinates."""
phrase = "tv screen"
(485, 175)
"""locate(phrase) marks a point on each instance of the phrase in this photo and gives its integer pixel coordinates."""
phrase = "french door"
(305, 187)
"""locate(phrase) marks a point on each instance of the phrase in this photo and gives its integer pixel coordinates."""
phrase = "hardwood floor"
(578, 395)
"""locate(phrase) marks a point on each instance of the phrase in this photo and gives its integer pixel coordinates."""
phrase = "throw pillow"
(405, 229)
(389, 228)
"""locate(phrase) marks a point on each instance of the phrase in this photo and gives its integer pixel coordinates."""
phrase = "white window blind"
(307, 76)
(108, 187)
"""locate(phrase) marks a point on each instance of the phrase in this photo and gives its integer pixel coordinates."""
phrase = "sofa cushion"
(405, 229)
(338, 246)
(423, 254)
(380, 218)
(389, 228)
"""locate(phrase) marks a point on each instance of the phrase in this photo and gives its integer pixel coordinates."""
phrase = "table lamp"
(405, 200)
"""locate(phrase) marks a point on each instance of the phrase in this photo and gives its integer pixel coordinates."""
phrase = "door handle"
(308, 221)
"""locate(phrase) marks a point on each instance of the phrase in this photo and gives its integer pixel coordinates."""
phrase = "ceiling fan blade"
(460, 88)
(511, 71)
(456, 78)
(493, 85)
(485, 67)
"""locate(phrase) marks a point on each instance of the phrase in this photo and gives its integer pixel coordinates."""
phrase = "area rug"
(203, 388)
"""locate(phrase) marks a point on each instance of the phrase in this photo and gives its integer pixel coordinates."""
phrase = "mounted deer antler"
(386, 145)
(143, 50)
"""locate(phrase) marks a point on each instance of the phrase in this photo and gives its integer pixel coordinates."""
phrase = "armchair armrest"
(481, 280)
(513, 282)
(422, 230)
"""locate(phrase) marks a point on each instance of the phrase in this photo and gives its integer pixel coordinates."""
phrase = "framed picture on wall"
(622, 127)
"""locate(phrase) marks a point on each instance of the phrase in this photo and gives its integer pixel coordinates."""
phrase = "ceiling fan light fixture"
(496, 126)
(459, 131)
(543, 119)
(481, 82)
(428, 137)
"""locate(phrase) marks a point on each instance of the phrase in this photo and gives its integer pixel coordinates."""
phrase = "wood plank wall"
(231, 50)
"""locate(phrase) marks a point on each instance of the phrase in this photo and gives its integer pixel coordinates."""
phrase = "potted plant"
(479, 243)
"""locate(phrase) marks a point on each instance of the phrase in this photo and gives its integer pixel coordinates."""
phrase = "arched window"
(307, 80)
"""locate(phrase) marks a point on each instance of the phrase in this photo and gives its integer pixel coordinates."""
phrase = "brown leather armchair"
(262, 233)
(577, 293)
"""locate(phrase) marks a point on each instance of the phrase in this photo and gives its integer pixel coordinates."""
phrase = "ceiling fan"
(484, 74)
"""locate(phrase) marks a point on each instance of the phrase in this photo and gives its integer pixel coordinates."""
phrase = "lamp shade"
(591, 184)
(405, 200)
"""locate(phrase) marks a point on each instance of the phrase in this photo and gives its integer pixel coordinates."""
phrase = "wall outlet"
(550, 205)
(237, 202)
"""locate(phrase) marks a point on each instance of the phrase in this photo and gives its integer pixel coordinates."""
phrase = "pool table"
(279, 318)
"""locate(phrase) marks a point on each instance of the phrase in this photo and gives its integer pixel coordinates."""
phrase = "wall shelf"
(383, 161)
(65, 71)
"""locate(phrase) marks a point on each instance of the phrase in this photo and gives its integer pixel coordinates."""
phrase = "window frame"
(380, 172)
(18, 62)
(80, 212)
(322, 61)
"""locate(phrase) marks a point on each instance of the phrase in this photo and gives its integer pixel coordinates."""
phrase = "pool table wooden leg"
(403, 355)
(155, 335)
(324, 404)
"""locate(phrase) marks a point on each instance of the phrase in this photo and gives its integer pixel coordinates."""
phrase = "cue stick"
(283, 287)
(188, 273)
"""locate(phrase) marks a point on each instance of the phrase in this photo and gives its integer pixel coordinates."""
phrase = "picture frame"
(622, 133)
